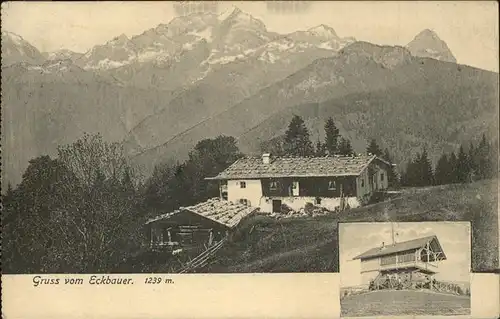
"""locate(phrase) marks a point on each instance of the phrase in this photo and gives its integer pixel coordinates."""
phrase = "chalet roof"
(400, 247)
(220, 211)
(254, 167)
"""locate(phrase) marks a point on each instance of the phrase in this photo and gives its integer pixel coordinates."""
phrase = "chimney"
(266, 158)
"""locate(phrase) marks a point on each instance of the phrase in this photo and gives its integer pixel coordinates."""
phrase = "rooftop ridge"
(407, 241)
(220, 211)
(313, 156)
(268, 166)
(397, 247)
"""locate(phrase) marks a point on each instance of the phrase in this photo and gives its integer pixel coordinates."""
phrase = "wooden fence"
(202, 259)
(385, 282)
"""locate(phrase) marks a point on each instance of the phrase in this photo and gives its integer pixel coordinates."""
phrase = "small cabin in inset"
(197, 227)
(411, 263)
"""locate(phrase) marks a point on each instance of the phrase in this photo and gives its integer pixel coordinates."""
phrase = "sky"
(454, 237)
(470, 28)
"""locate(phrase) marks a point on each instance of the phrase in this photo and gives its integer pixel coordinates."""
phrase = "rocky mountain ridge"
(427, 44)
(195, 77)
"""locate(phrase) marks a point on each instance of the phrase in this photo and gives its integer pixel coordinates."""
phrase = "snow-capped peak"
(62, 54)
(428, 44)
(427, 33)
(16, 39)
(58, 65)
(323, 31)
(15, 49)
(234, 17)
(121, 39)
(231, 11)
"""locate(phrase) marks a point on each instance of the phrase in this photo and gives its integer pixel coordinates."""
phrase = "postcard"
(252, 158)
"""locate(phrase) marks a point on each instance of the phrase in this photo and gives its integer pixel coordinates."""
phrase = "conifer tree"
(404, 176)
(331, 137)
(392, 176)
(485, 158)
(472, 160)
(425, 169)
(320, 149)
(10, 190)
(463, 167)
(443, 172)
(453, 162)
(413, 171)
(409, 175)
(373, 148)
(297, 141)
(345, 148)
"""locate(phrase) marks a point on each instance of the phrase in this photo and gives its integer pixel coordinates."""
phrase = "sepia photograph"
(405, 268)
(234, 137)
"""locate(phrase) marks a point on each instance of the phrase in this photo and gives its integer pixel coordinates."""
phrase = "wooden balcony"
(409, 264)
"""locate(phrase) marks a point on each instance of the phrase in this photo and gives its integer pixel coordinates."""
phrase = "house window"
(388, 260)
(244, 201)
(332, 185)
(273, 185)
(224, 196)
(382, 177)
(243, 184)
(295, 188)
(362, 182)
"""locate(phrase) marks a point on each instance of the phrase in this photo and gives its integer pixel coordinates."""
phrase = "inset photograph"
(390, 269)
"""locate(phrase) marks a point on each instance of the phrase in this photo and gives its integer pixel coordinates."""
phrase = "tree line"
(297, 142)
(183, 184)
(167, 188)
(74, 213)
(478, 162)
(84, 210)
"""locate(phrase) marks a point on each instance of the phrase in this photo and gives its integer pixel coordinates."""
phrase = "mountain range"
(205, 74)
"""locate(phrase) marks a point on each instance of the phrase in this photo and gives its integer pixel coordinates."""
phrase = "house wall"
(310, 189)
(358, 189)
(260, 194)
(370, 264)
(373, 178)
(296, 203)
(310, 186)
(363, 189)
(368, 276)
(252, 192)
(200, 229)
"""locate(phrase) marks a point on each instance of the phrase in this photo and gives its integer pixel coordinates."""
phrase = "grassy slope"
(394, 302)
(310, 244)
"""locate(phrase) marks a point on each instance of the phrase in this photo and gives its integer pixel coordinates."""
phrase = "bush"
(309, 208)
(285, 209)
